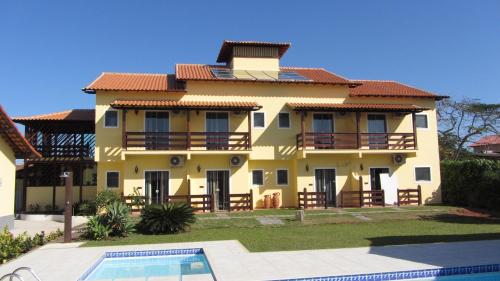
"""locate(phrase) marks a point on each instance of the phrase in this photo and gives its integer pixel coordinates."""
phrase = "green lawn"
(331, 229)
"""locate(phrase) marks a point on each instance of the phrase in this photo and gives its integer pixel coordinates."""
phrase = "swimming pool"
(490, 272)
(177, 264)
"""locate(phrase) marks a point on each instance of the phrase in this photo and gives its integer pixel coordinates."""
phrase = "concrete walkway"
(231, 261)
(33, 227)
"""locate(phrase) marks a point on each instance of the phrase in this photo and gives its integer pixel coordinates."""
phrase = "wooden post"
(212, 202)
(303, 129)
(324, 198)
(249, 140)
(251, 199)
(68, 206)
(305, 198)
(383, 198)
(358, 135)
(189, 192)
(399, 197)
(414, 120)
(419, 195)
(124, 129)
(361, 201)
(188, 128)
(54, 184)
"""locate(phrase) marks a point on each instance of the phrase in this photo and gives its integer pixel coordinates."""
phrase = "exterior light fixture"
(198, 168)
(307, 167)
(361, 166)
(136, 169)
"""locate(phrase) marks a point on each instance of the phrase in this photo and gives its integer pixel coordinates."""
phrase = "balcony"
(393, 141)
(187, 141)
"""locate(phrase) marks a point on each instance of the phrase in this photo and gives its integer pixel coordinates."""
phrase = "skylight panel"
(291, 76)
(260, 75)
(223, 73)
(243, 74)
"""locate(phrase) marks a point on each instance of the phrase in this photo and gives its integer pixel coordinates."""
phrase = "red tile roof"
(316, 75)
(134, 82)
(356, 107)
(227, 45)
(175, 104)
(379, 88)
(14, 138)
(488, 140)
(68, 115)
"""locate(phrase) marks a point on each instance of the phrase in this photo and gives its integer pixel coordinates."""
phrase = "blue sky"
(49, 50)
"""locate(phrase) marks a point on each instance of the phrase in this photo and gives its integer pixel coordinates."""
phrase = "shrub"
(96, 229)
(104, 198)
(471, 183)
(34, 208)
(85, 208)
(166, 218)
(114, 221)
(117, 218)
(11, 247)
(137, 199)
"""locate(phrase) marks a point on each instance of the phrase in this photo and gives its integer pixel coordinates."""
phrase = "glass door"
(156, 186)
(377, 130)
(217, 127)
(218, 184)
(156, 129)
(323, 127)
(325, 182)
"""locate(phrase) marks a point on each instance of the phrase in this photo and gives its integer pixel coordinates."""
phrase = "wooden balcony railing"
(356, 141)
(187, 141)
(410, 196)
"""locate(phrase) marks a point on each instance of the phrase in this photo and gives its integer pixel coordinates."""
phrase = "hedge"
(471, 183)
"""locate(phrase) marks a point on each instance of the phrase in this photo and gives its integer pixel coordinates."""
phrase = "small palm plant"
(166, 219)
(117, 218)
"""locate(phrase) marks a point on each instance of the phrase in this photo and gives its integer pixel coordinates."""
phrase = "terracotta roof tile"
(316, 75)
(68, 115)
(185, 104)
(379, 88)
(134, 82)
(356, 107)
(10, 133)
(488, 140)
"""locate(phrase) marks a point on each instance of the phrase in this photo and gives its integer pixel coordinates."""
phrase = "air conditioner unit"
(237, 161)
(399, 159)
(176, 161)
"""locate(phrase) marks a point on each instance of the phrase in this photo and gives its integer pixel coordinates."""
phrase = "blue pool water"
(495, 276)
(150, 267)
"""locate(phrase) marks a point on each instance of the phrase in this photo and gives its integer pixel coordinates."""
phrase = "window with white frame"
(422, 174)
(257, 177)
(112, 179)
(282, 177)
(259, 120)
(111, 119)
(421, 121)
(284, 120)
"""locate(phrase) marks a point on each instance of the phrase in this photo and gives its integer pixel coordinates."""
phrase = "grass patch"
(330, 229)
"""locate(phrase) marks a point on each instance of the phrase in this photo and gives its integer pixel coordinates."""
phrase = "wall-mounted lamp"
(307, 167)
(136, 169)
(198, 168)
(136, 112)
(361, 166)
(197, 112)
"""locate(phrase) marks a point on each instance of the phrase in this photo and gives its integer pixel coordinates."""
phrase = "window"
(422, 174)
(258, 120)
(111, 119)
(112, 179)
(257, 177)
(282, 177)
(284, 120)
(421, 121)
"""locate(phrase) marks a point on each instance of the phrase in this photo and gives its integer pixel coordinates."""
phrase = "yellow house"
(12, 145)
(229, 134)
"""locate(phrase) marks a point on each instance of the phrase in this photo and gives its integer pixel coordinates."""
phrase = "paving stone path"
(269, 221)
(361, 217)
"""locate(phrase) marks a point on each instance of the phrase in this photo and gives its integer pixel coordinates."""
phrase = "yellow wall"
(273, 148)
(262, 64)
(42, 195)
(7, 179)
